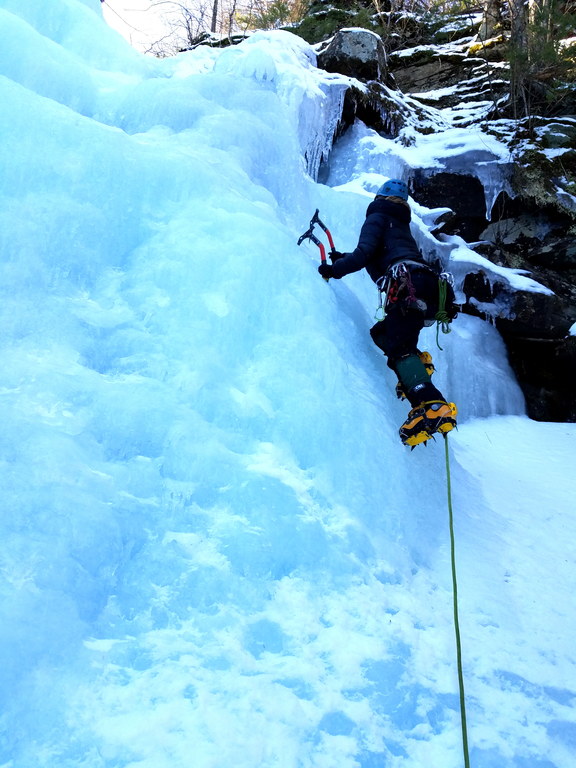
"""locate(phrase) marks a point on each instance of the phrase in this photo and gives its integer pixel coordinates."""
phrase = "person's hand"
(335, 255)
(326, 270)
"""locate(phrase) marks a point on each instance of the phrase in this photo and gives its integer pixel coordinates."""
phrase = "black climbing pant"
(397, 336)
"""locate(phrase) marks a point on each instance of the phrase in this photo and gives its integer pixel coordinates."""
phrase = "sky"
(153, 25)
(141, 22)
(214, 548)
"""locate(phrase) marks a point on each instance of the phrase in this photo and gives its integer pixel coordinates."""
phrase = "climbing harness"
(309, 235)
(396, 285)
(456, 618)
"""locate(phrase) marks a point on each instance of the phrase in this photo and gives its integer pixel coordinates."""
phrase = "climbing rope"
(456, 619)
(442, 317)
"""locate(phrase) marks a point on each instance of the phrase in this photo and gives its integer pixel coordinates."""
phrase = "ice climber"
(410, 291)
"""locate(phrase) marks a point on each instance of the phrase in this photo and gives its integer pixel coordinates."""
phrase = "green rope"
(456, 620)
(442, 318)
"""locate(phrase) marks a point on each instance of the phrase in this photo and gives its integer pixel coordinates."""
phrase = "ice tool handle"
(309, 235)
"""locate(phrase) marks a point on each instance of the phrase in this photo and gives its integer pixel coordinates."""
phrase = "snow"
(557, 152)
(215, 550)
(461, 252)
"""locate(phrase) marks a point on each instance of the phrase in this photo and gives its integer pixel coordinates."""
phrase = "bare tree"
(188, 20)
(184, 21)
(214, 22)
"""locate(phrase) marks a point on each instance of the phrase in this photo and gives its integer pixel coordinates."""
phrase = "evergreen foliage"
(272, 14)
(543, 61)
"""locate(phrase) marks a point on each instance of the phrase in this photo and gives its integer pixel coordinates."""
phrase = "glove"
(326, 270)
(335, 255)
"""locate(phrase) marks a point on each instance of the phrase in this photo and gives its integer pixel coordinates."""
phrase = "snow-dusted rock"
(355, 52)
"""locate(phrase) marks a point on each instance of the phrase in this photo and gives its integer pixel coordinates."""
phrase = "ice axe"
(309, 235)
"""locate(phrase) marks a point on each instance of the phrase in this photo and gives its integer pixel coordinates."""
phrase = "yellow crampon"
(427, 419)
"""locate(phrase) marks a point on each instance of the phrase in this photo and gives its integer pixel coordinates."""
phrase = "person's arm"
(368, 243)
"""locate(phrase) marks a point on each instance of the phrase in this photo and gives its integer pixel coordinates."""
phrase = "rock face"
(529, 228)
(535, 325)
(430, 75)
(465, 197)
(523, 235)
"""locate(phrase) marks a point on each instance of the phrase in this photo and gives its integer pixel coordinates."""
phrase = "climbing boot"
(425, 358)
(427, 419)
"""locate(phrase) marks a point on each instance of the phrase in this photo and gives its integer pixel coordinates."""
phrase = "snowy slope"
(215, 551)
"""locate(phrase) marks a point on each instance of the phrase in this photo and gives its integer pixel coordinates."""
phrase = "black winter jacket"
(385, 239)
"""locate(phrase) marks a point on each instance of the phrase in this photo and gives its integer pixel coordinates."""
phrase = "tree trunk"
(519, 59)
(518, 23)
(491, 19)
(231, 15)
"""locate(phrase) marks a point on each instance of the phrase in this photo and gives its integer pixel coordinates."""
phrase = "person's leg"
(415, 381)
(430, 412)
(397, 336)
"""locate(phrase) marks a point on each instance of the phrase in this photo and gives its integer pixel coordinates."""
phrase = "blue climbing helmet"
(394, 188)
